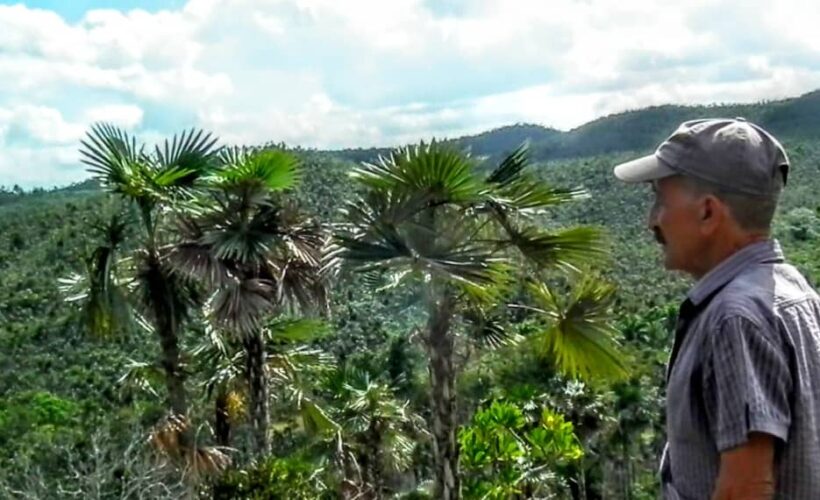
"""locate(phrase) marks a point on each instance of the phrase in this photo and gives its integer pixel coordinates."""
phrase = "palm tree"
(102, 294)
(151, 181)
(429, 218)
(256, 253)
(377, 433)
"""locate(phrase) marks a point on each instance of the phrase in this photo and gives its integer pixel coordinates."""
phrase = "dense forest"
(467, 318)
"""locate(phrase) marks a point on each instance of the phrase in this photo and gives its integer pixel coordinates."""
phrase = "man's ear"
(711, 213)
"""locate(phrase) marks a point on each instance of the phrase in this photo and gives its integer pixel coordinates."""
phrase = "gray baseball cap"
(733, 154)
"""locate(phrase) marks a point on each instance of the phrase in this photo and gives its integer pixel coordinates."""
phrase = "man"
(743, 383)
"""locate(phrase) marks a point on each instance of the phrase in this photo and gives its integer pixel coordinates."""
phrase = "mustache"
(658, 235)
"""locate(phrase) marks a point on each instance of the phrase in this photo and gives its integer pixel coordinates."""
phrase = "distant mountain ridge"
(636, 130)
(631, 130)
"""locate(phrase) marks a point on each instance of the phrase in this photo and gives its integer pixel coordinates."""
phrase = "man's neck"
(724, 248)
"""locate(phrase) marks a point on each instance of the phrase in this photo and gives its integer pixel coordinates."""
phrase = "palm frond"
(532, 195)
(435, 169)
(241, 305)
(237, 241)
(196, 463)
(140, 376)
(166, 436)
(221, 363)
(374, 239)
(400, 447)
(272, 170)
(301, 330)
(196, 261)
(289, 365)
(487, 330)
(510, 167)
(577, 332)
(202, 463)
(513, 190)
(315, 419)
(567, 249)
(114, 159)
(184, 159)
(298, 286)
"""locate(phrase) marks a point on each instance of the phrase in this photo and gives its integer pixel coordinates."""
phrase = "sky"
(349, 73)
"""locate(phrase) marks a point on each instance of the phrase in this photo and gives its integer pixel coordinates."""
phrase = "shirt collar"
(756, 253)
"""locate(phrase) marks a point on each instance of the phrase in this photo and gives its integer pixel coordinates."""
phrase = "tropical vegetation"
(468, 318)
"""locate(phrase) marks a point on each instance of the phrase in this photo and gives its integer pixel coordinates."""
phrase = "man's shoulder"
(760, 292)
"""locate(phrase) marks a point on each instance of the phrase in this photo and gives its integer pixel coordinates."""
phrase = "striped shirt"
(746, 359)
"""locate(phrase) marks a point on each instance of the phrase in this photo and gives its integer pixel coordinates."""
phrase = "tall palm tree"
(151, 181)
(256, 253)
(431, 218)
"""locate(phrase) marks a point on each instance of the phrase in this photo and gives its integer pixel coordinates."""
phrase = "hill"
(636, 130)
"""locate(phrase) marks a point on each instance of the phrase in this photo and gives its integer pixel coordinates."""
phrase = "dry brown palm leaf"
(205, 462)
(168, 438)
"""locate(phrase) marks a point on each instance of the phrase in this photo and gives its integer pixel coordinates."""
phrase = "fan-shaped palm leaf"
(124, 168)
(196, 260)
(435, 169)
(577, 333)
(374, 424)
(115, 159)
(195, 462)
(184, 159)
(240, 305)
(269, 170)
(315, 419)
(373, 241)
(567, 249)
(486, 330)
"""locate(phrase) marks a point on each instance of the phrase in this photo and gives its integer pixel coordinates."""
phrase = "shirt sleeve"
(747, 383)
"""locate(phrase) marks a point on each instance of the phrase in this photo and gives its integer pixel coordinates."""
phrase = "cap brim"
(646, 169)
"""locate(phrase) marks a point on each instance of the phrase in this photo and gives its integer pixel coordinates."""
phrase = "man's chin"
(668, 261)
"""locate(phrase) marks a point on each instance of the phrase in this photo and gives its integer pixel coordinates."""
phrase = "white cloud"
(41, 124)
(327, 73)
(126, 116)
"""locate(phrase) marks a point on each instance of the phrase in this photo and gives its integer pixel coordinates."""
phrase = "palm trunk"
(166, 328)
(348, 486)
(258, 386)
(372, 461)
(222, 422)
(174, 379)
(440, 344)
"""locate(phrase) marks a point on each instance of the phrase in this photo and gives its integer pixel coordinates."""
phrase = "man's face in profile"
(674, 221)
